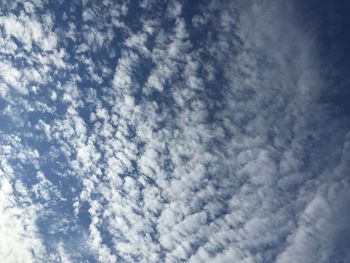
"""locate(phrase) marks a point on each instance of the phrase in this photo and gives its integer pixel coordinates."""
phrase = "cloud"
(151, 134)
(28, 31)
(20, 237)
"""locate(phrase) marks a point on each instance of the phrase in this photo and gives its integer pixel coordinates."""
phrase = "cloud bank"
(158, 131)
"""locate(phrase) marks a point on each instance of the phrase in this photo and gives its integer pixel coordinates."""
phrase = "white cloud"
(166, 148)
(20, 240)
(28, 31)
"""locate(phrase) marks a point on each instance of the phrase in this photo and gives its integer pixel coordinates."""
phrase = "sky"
(174, 131)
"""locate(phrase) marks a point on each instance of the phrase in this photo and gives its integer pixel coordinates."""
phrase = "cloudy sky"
(174, 131)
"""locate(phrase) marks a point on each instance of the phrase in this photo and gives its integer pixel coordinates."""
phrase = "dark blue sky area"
(329, 22)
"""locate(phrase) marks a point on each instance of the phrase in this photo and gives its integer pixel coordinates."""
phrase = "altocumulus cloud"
(155, 131)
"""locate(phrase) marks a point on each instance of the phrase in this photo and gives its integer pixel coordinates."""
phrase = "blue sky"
(174, 131)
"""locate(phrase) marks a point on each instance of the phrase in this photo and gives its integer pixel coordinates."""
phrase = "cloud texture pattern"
(168, 131)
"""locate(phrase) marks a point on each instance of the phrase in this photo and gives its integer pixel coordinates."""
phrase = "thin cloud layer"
(158, 131)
